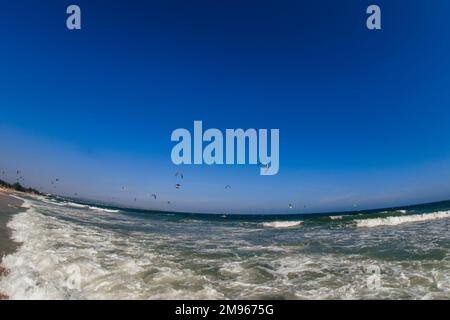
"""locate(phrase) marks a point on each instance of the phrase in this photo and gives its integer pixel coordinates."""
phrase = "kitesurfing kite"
(179, 174)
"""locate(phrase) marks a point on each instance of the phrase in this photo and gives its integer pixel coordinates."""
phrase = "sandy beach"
(8, 207)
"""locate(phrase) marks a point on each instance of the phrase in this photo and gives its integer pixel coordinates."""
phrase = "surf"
(282, 224)
(398, 220)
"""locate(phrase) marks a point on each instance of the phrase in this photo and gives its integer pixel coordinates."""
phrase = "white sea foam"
(282, 224)
(25, 204)
(76, 205)
(395, 220)
(106, 264)
(336, 217)
(103, 209)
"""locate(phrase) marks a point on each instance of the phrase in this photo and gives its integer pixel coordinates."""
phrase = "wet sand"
(8, 207)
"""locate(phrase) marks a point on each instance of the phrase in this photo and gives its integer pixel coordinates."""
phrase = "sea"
(79, 250)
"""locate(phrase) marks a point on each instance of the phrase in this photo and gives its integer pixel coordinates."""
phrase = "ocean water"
(84, 251)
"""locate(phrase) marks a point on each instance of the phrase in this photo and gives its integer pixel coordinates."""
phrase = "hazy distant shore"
(8, 207)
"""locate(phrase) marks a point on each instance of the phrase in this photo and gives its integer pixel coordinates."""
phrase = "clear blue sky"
(363, 115)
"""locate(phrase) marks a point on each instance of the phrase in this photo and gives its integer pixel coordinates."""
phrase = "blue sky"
(363, 115)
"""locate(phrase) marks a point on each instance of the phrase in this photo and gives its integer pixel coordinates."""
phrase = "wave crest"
(393, 221)
(282, 224)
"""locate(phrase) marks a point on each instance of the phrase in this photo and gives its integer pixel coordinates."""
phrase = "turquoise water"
(86, 251)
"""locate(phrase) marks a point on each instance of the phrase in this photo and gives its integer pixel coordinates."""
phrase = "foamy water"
(75, 252)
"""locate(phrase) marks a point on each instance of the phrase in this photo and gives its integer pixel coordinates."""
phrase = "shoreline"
(8, 207)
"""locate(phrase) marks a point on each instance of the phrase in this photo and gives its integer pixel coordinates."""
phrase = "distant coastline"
(18, 187)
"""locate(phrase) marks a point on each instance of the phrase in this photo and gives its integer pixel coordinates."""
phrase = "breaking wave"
(397, 220)
(77, 205)
(103, 209)
(282, 224)
(59, 259)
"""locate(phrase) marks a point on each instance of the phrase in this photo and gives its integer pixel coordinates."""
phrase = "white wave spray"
(282, 224)
(394, 221)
